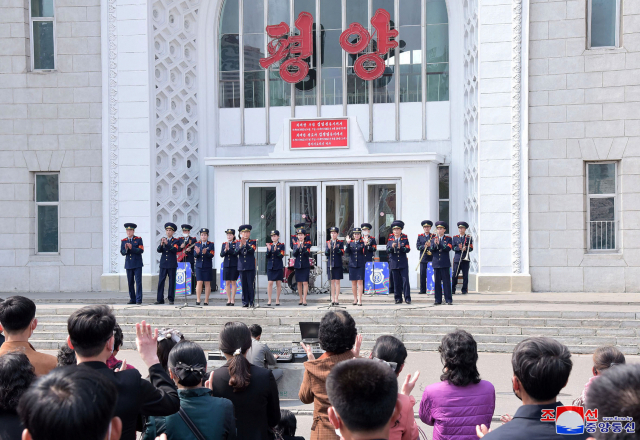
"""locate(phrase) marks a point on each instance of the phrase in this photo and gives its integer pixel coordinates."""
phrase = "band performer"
(424, 247)
(186, 243)
(397, 248)
(204, 252)
(275, 268)
(441, 245)
(246, 250)
(461, 244)
(355, 250)
(230, 266)
(302, 253)
(370, 244)
(334, 251)
(168, 247)
(131, 249)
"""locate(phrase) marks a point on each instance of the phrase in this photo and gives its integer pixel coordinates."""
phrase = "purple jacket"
(455, 411)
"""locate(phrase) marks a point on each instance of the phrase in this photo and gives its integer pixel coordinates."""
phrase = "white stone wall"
(584, 105)
(51, 122)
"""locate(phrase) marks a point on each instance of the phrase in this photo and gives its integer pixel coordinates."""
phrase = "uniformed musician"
(441, 245)
(275, 267)
(334, 251)
(168, 247)
(370, 244)
(186, 244)
(293, 240)
(246, 250)
(302, 253)
(397, 248)
(424, 248)
(204, 252)
(230, 266)
(461, 243)
(355, 250)
(131, 248)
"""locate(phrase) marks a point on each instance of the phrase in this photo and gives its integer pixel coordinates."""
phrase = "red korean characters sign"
(319, 133)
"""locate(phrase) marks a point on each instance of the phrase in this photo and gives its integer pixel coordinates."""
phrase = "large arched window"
(331, 88)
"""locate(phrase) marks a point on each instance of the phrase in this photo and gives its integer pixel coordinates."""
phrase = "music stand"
(256, 302)
(186, 294)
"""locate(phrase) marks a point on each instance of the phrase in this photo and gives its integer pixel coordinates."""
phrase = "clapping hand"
(123, 366)
(356, 347)
(209, 383)
(504, 418)
(147, 343)
(308, 351)
(482, 430)
(269, 246)
(197, 250)
(163, 241)
(410, 383)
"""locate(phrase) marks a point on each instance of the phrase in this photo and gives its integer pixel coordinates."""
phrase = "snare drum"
(292, 262)
(312, 262)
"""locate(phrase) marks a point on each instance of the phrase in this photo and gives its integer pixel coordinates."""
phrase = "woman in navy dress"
(301, 253)
(334, 252)
(204, 253)
(275, 268)
(355, 249)
(230, 266)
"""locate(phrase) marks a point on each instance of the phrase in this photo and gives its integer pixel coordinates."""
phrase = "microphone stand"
(186, 294)
(256, 303)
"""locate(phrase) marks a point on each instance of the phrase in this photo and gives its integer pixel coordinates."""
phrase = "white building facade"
(515, 116)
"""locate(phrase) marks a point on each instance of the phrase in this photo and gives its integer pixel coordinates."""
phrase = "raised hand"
(357, 345)
(308, 351)
(147, 343)
(482, 430)
(410, 383)
(123, 366)
(209, 383)
(197, 250)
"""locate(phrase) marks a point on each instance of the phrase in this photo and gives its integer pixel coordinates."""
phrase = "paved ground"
(494, 367)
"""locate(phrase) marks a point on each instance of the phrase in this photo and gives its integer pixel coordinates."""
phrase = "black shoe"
(228, 303)
(171, 302)
(246, 306)
(464, 293)
(408, 302)
(159, 302)
(422, 293)
(437, 304)
(138, 304)
(304, 305)
(251, 305)
(131, 302)
(231, 304)
(453, 292)
(450, 304)
(206, 304)
(198, 303)
(277, 304)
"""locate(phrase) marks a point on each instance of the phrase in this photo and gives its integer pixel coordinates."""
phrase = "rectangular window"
(604, 23)
(47, 213)
(42, 28)
(601, 205)
(443, 196)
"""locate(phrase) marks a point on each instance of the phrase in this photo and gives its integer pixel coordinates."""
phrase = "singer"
(462, 245)
(168, 247)
(246, 250)
(441, 245)
(355, 250)
(370, 245)
(230, 266)
(397, 248)
(204, 253)
(334, 252)
(302, 253)
(132, 248)
(275, 268)
(186, 243)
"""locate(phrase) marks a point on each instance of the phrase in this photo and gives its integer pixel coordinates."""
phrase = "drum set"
(290, 275)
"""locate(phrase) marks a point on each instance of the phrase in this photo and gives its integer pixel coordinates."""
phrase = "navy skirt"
(302, 275)
(230, 273)
(275, 274)
(204, 274)
(356, 273)
(335, 273)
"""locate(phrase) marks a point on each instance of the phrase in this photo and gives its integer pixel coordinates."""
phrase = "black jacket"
(10, 426)
(156, 397)
(526, 425)
(257, 407)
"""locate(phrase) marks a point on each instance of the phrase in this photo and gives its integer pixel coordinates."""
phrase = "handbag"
(194, 429)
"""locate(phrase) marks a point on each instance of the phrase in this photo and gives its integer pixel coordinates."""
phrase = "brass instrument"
(427, 249)
(465, 257)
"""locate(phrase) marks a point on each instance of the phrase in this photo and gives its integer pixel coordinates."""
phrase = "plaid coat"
(313, 389)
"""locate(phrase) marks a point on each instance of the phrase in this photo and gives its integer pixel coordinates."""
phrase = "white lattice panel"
(176, 112)
(471, 122)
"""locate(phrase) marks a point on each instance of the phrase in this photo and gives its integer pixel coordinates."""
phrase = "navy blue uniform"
(355, 251)
(399, 266)
(301, 253)
(425, 258)
(168, 267)
(458, 243)
(334, 255)
(188, 257)
(441, 266)
(370, 249)
(133, 265)
(275, 267)
(204, 260)
(247, 269)
(230, 263)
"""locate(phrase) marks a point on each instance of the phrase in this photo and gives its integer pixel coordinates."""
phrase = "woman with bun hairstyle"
(212, 416)
(251, 389)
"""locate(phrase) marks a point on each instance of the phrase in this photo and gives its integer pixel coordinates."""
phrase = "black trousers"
(442, 280)
(423, 277)
(134, 279)
(391, 286)
(464, 269)
(193, 278)
(247, 278)
(171, 273)
(401, 284)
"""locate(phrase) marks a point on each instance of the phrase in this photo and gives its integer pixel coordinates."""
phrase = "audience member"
(287, 426)
(252, 389)
(541, 368)
(211, 416)
(167, 339)
(70, 403)
(337, 335)
(16, 375)
(259, 354)
(603, 358)
(66, 356)
(118, 340)
(91, 335)
(18, 320)
(616, 393)
(392, 352)
(364, 399)
(461, 401)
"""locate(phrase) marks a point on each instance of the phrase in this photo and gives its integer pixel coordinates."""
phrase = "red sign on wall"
(320, 133)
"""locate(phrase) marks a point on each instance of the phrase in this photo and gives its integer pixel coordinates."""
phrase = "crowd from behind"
(88, 393)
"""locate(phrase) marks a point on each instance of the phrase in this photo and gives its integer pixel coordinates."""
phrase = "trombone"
(427, 249)
(464, 257)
